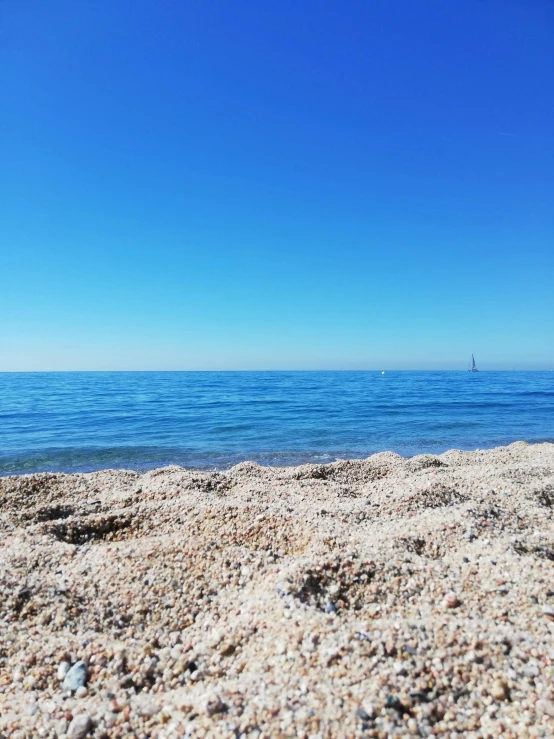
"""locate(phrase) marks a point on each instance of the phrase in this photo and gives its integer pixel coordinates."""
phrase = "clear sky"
(264, 185)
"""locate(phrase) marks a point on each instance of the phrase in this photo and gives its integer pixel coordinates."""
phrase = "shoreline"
(267, 461)
(355, 598)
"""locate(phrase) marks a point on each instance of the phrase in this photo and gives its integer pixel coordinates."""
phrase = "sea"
(84, 421)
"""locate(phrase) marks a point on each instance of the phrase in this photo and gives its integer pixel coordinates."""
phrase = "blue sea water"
(79, 421)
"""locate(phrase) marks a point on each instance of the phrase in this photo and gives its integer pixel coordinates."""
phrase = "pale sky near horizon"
(247, 185)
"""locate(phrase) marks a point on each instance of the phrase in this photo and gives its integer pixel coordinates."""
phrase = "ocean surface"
(80, 421)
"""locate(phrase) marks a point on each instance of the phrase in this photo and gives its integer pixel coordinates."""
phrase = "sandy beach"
(369, 598)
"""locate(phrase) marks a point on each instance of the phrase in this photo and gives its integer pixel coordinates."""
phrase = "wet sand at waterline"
(375, 597)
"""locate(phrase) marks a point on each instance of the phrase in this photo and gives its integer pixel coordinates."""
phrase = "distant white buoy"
(383, 372)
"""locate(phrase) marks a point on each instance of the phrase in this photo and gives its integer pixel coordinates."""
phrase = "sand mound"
(370, 598)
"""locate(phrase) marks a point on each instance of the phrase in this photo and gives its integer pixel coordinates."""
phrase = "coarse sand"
(365, 598)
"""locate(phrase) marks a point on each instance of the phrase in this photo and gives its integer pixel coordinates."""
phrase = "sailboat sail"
(473, 366)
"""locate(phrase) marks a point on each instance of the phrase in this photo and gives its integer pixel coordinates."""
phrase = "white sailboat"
(472, 366)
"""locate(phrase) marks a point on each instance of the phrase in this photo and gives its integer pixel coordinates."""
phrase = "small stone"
(81, 692)
(366, 712)
(63, 669)
(369, 708)
(226, 649)
(109, 719)
(119, 704)
(330, 607)
(451, 601)
(498, 690)
(545, 706)
(80, 726)
(126, 681)
(76, 677)
(148, 710)
(548, 611)
(215, 706)
(61, 726)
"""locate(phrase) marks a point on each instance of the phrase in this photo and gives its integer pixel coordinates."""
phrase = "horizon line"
(381, 369)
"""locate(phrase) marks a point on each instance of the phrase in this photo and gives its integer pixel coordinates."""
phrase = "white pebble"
(79, 726)
(545, 706)
(63, 669)
(451, 601)
(110, 719)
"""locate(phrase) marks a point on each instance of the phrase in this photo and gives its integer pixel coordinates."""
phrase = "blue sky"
(276, 185)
